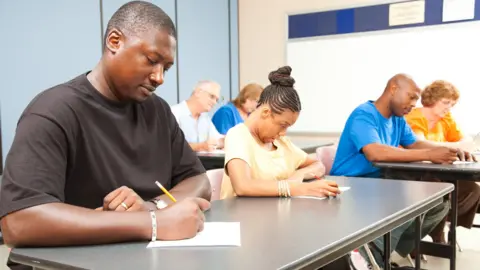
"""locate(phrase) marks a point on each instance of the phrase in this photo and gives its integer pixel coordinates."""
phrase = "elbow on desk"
(12, 233)
(207, 192)
(204, 189)
(373, 156)
(243, 190)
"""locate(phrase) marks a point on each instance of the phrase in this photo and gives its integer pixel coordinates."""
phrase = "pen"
(165, 191)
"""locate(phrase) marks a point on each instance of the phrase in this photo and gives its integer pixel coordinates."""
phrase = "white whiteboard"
(335, 74)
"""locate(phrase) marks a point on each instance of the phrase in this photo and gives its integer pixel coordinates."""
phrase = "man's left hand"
(123, 199)
(465, 156)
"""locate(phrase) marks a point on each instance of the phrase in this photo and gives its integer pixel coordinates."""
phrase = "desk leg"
(452, 234)
(418, 238)
(386, 250)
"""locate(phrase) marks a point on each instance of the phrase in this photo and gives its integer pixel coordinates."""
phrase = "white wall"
(337, 73)
(263, 32)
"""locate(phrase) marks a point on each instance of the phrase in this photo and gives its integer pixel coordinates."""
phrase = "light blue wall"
(43, 43)
(47, 42)
(203, 44)
(234, 55)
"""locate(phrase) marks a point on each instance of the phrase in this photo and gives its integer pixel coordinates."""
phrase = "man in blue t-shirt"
(373, 132)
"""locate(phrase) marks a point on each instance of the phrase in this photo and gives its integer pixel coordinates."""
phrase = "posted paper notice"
(213, 234)
(407, 13)
(458, 10)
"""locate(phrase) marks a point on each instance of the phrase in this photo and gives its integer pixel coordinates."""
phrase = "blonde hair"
(437, 91)
(250, 91)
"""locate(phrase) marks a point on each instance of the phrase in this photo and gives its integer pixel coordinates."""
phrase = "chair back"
(215, 176)
(326, 155)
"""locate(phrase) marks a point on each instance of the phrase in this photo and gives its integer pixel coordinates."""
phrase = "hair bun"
(282, 77)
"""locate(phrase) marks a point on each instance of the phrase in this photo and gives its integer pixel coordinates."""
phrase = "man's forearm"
(196, 186)
(197, 146)
(385, 153)
(59, 224)
(423, 144)
(465, 145)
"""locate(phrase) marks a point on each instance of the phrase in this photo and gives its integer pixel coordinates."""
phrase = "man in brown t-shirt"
(86, 154)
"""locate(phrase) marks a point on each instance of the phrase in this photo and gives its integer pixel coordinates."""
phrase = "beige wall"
(263, 28)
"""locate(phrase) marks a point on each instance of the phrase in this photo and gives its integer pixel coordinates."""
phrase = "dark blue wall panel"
(362, 19)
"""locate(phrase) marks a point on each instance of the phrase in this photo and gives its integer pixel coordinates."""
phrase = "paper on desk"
(458, 162)
(342, 189)
(213, 234)
(217, 151)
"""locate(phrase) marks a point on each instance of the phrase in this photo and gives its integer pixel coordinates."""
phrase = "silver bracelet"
(154, 225)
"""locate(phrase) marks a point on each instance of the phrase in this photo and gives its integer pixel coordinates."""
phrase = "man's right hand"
(181, 220)
(443, 155)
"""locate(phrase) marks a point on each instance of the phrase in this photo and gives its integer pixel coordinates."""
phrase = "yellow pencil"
(165, 191)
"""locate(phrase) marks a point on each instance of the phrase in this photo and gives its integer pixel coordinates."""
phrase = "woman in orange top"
(434, 122)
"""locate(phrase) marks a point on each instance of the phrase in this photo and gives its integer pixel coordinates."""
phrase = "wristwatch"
(160, 204)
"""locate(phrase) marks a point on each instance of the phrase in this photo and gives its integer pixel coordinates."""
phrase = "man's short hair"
(205, 85)
(139, 16)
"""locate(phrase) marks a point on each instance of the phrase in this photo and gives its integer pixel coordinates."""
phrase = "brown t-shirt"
(73, 145)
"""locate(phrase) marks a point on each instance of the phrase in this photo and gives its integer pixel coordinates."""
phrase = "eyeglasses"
(213, 97)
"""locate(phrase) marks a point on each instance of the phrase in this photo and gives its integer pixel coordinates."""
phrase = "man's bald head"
(403, 94)
(401, 81)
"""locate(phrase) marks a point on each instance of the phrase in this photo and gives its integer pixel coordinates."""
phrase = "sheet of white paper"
(342, 189)
(217, 151)
(309, 197)
(457, 10)
(462, 162)
(213, 234)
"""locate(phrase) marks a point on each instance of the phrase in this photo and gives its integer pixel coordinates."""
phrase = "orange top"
(445, 130)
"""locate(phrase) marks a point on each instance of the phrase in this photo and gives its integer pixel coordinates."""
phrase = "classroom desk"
(275, 233)
(217, 160)
(451, 173)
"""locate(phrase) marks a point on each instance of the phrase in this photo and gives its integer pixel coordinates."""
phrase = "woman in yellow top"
(434, 122)
(260, 160)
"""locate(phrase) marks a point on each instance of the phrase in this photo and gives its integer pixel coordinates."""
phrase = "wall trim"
(176, 53)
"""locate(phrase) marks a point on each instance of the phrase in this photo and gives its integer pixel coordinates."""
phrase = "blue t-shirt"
(226, 117)
(365, 126)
